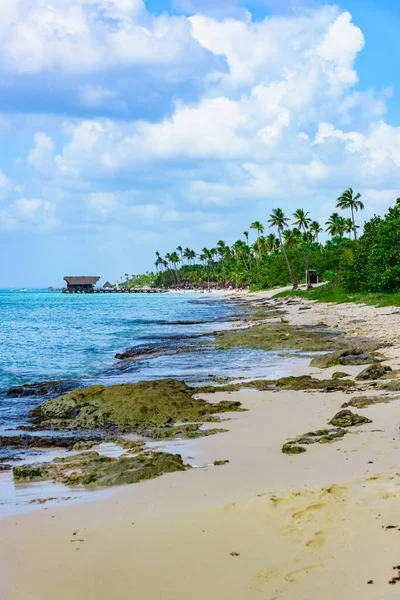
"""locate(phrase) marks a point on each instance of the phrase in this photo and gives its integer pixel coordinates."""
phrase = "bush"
(375, 264)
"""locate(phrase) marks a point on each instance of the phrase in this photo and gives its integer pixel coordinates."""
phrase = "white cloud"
(279, 120)
(89, 35)
(34, 212)
(339, 50)
(102, 204)
(42, 155)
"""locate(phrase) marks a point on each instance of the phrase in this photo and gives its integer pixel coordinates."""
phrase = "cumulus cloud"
(102, 204)
(33, 213)
(42, 155)
(276, 118)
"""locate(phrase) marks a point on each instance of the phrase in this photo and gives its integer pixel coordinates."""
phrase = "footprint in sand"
(319, 540)
(301, 573)
(305, 513)
(264, 577)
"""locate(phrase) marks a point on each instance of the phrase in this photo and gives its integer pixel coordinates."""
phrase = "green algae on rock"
(376, 371)
(321, 436)
(220, 463)
(292, 449)
(306, 382)
(303, 382)
(191, 431)
(129, 407)
(345, 418)
(91, 469)
(31, 473)
(340, 375)
(355, 354)
(364, 401)
(277, 336)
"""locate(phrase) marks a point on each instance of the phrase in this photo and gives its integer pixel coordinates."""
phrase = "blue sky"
(131, 126)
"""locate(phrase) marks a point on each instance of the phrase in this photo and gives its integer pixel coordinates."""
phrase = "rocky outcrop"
(376, 371)
(138, 407)
(44, 388)
(345, 418)
(340, 375)
(363, 354)
(93, 470)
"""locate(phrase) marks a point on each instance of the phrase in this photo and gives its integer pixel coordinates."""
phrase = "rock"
(364, 401)
(292, 449)
(277, 336)
(31, 473)
(340, 375)
(220, 463)
(321, 436)
(36, 441)
(391, 386)
(135, 407)
(45, 388)
(306, 382)
(4, 467)
(352, 355)
(375, 371)
(284, 320)
(345, 418)
(91, 469)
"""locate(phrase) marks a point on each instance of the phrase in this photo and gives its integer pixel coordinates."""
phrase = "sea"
(51, 336)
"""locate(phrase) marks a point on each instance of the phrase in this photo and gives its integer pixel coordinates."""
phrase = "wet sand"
(266, 525)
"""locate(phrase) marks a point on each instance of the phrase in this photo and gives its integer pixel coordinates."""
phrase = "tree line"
(289, 251)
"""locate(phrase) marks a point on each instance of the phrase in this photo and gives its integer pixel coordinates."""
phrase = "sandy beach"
(267, 525)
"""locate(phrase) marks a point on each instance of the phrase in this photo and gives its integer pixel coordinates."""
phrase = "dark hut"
(81, 284)
(108, 286)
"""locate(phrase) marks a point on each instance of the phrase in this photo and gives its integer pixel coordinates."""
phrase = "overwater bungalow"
(81, 284)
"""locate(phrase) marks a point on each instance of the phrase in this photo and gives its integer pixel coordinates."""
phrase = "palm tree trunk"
(294, 284)
(309, 286)
(354, 223)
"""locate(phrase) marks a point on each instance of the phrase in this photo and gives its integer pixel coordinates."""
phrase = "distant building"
(81, 284)
(108, 286)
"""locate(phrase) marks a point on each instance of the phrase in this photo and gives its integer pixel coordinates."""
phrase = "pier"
(85, 285)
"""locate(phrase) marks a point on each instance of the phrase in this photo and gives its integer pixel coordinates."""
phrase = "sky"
(132, 126)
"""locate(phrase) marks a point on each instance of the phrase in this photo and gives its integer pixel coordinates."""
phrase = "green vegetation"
(334, 292)
(369, 271)
(364, 270)
(282, 256)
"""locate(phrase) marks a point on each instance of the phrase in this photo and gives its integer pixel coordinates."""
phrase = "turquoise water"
(51, 336)
(47, 336)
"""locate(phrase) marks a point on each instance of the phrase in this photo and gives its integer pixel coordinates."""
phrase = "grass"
(333, 293)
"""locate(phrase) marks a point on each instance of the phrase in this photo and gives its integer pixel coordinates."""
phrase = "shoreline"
(266, 525)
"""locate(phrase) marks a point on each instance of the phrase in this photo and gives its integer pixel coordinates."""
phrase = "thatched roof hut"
(81, 284)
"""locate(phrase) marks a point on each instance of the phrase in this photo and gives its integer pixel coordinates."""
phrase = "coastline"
(300, 525)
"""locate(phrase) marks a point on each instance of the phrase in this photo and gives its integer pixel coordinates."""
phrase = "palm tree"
(349, 200)
(303, 221)
(315, 229)
(187, 254)
(174, 259)
(336, 225)
(270, 242)
(348, 226)
(277, 219)
(180, 250)
(258, 226)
